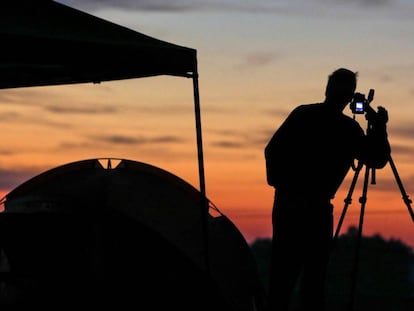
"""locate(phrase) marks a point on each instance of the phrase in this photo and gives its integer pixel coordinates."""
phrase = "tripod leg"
(405, 197)
(362, 200)
(348, 201)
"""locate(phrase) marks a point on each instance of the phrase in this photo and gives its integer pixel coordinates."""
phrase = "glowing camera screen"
(359, 106)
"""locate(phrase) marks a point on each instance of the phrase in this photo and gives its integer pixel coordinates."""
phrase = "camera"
(358, 103)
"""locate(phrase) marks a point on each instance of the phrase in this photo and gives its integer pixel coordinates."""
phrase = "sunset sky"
(257, 60)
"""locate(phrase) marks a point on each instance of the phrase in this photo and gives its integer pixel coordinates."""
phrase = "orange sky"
(255, 66)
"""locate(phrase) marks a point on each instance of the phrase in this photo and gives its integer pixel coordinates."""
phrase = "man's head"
(341, 87)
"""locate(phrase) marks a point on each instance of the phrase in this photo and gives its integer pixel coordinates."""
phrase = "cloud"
(404, 131)
(9, 116)
(80, 110)
(277, 112)
(98, 141)
(371, 2)
(234, 140)
(262, 6)
(17, 118)
(10, 178)
(6, 152)
(228, 144)
(119, 139)
(403, 150)
(147, 5)
(175, 5)
(22, 97)
(158, 110)
(259, 59)
(390, 184)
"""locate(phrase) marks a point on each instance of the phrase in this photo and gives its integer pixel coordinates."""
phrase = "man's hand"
(381, 117)
(378, 119)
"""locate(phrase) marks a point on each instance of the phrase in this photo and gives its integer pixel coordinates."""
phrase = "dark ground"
(383, 277)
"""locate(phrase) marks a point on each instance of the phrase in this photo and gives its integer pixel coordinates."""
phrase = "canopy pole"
(204, 201)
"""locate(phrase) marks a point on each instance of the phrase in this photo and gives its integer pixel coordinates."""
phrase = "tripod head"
(376, 119)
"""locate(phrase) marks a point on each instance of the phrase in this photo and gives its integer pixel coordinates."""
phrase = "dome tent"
(83, 232)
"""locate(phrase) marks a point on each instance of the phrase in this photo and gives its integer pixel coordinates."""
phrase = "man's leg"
(317, 259)
(287, 259)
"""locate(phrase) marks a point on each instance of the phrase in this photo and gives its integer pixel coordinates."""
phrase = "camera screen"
(359, 106)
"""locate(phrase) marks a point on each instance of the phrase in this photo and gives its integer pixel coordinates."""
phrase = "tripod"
(363, 200)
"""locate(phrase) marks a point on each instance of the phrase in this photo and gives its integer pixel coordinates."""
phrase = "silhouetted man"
(306, 160)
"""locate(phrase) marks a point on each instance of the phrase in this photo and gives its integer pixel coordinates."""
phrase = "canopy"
(48, 43)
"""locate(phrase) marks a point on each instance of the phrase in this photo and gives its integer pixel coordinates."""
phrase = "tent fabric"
(93, 217)
(48, 43)
(67, 260)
